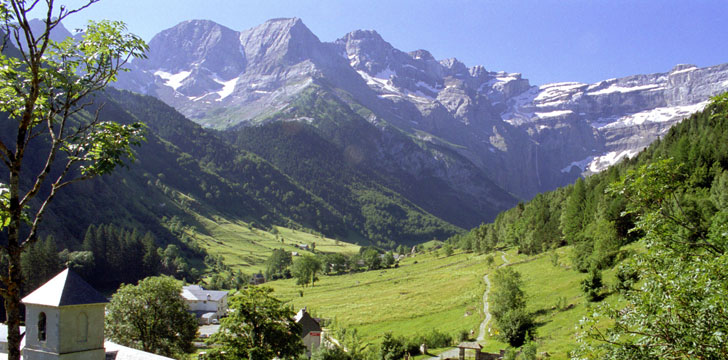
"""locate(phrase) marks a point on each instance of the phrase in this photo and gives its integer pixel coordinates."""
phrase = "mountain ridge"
(527, 138)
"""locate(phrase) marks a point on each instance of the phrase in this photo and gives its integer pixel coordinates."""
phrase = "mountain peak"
(371, 35)
(291, 21)
(286, 39)
(454, 66)
(203, 44)
(367, 50)
(421, 54)
(282, 27)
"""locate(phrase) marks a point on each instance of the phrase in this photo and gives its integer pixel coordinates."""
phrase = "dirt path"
(455, 352)
(488, 316)
(484, 324)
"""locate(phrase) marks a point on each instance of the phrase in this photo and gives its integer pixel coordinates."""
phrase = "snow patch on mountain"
(555, 113)
(686, 70)
(557, 93)
(601, 163)
(173, 80)
(660, 114)
(427, 86)
(380, 81)
(581, 164)
(621, 89)
(227, 88)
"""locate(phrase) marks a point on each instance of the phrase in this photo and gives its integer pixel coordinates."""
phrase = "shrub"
(592, 285)
(436, 339)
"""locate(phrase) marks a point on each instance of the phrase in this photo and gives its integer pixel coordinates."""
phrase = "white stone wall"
(52, 342)
(72, 342)
(312, 341)
(72, 338)
(98, 354)
(219, 307)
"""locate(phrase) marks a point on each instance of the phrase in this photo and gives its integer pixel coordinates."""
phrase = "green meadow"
(427, 291)
(431, 291)
(246, 248)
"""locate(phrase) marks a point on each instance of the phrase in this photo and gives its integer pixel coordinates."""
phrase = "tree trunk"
(12, 303)
(14, 276)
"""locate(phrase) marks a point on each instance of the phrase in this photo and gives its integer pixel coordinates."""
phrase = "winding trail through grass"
(455, 352)
(481, 333)
(488, 316)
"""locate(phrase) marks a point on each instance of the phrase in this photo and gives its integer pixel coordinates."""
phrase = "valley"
(430, 291)
(401, 199)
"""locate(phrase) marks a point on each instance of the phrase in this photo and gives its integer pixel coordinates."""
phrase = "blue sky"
(546, 40)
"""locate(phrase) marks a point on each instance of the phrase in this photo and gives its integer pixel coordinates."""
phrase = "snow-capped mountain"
(627, 113)
(527, 139)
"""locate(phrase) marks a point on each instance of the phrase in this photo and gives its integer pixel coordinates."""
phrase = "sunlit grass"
(426, 292)
(247, 248)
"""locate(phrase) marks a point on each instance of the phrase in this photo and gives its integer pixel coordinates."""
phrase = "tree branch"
(7, 155)
(41, 211)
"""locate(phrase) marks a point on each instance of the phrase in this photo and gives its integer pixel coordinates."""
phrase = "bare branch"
(7, 155)
(43, 174)
(41, 211)
(71, 12)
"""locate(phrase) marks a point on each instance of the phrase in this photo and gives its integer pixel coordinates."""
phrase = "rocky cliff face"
(525, 138)
(625, 115)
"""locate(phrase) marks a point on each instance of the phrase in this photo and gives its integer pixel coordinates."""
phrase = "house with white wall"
(201, 301)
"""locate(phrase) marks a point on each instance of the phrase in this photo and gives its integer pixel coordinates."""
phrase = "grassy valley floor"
(431, 291)
(246, 248)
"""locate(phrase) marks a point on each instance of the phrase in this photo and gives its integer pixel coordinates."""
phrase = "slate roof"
(66, 288)
(308, 324)
(195, 292)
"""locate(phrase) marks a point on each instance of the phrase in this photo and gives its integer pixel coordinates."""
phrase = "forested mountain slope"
(673, 199)
(184, 170)
(580, 213)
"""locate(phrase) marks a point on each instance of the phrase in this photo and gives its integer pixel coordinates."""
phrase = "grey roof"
(196, 292)
(66, 288)
(307, 323)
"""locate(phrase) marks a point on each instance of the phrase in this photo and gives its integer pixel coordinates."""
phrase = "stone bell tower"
(64, 320)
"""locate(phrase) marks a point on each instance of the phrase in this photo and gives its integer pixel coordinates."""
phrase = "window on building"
(82, 327)
(42, 326)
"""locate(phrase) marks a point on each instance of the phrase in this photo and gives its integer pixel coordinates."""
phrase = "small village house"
(208, 305)
(257, 279)
(311, 331)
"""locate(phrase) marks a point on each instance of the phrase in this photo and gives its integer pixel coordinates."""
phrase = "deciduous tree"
(259, 327)
(44, 86)
(276, 267)
(305, 270)
(151, 316)
(509, 307)
(677, 310)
